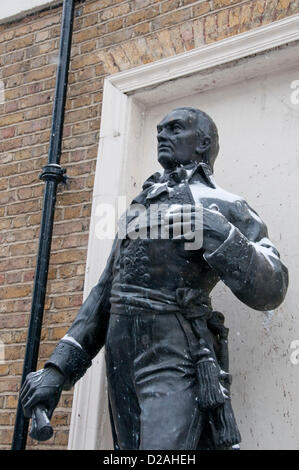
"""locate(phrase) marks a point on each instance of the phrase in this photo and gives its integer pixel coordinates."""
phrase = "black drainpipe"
(52, 174)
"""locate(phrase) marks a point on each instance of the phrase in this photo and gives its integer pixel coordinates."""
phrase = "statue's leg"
(166, 385)
(123, 401)
(171, 422)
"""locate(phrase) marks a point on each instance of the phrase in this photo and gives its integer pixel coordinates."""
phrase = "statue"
(165, 348)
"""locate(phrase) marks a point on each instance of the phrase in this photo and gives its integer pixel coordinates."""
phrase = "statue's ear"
(203, 145)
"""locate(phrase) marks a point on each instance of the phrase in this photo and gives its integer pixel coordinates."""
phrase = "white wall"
(13, 8)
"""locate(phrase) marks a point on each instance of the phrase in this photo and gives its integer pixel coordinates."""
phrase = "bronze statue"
(166, 349)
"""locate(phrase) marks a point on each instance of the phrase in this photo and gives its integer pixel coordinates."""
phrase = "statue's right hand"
(42, 388)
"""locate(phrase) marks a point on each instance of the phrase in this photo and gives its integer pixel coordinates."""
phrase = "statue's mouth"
(162, 147)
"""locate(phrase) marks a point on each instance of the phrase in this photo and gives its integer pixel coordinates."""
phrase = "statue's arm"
(74, 352)
(86, 336)
(248, 263)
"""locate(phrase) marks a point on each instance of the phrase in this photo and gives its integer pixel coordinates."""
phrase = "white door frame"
(126, 97)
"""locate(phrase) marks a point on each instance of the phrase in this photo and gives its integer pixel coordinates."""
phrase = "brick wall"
(109, 36)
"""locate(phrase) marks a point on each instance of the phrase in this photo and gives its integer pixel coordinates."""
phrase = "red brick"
(68, 256)
(25, 179)
(7, 133)
(11, 402)
(12, 353)
(13, 292)
(89, 33)
(114, 25)
(5, 419)
(201, 8)
(170, 19)
(20, 43)
(112, 12)
(9, 384)
(142, 15)
(6, 436)
(11, 119)
(210, 28)
(224, 3)
(13, 278)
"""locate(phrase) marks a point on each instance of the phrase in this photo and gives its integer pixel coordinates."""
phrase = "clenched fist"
(186, 222)
(42, 388)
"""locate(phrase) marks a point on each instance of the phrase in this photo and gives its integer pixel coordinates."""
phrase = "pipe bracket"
(53, 172)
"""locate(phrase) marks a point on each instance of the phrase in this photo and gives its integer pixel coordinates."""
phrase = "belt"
(128, 299)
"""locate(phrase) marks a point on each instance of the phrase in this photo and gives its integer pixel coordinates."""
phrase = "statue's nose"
(162, 135)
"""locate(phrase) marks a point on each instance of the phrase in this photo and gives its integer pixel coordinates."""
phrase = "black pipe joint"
(53, 172)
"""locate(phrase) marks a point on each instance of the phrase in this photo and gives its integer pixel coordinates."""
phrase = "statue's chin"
(167, 161)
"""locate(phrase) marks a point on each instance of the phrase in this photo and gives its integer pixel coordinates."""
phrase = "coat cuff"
(71, 360)
(232, 260)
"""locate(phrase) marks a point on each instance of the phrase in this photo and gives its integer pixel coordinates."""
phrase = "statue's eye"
(176, 128)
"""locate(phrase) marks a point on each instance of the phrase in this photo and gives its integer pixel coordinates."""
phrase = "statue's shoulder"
(227, 196)
(232, 201)
(241, 214)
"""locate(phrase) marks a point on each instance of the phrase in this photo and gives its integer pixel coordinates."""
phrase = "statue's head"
(187, 135)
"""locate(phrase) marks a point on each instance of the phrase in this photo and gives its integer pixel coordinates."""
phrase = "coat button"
(145, 340)
(128, 277)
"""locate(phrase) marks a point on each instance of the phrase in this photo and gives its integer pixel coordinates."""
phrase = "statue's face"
(179, 141)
